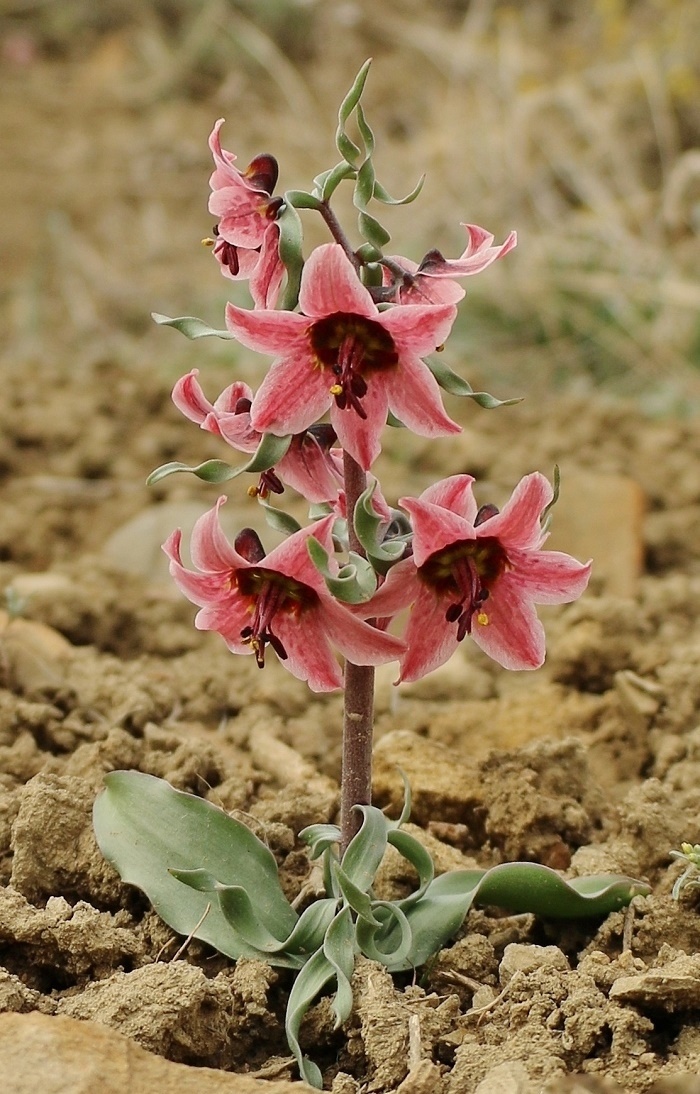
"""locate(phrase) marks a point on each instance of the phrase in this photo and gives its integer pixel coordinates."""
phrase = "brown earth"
(592, 763)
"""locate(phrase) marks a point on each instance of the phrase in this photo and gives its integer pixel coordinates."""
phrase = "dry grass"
(583, 133)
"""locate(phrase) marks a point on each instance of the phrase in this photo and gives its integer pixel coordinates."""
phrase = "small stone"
(527, 959)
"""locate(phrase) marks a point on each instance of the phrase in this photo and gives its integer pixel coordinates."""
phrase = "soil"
(590, 764)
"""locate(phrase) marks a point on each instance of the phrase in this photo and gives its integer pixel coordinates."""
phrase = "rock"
(56, 1055)
(509, 1077)
(673, 987)
(171, 1008)
(519, 958)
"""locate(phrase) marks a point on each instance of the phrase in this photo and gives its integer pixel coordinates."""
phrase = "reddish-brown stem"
(336, 230)
(358, 719)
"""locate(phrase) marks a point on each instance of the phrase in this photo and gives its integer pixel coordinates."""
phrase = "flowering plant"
(350, 331)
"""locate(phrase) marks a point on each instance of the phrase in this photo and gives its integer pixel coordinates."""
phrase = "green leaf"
(514, 886)
(366, 849)
(353, 584)
(339, 949)
(356, 898)
(364, 186)
(546, 514)
(328, 183)
(382, 195)
(308, 985)
(370, 527)
(392, 942)
(453, 383)
(319, 837)
(347, 148)
(365, 131)
(300, 199)
(279, 520)
(371, 230)
(269, 452)
(190, 326)
(290, 252)
(145, 828)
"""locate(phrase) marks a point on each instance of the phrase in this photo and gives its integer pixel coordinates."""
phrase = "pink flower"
(247, 237)
(343, 354)
(478, 572)
(432, 282)
(280, 600)
(310, 466)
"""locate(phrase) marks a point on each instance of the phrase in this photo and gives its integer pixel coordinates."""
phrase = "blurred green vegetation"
(579, 126)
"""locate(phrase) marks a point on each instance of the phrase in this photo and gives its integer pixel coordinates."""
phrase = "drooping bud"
(248, 544)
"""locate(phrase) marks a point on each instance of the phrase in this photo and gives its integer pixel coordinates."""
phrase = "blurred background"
(576, 124)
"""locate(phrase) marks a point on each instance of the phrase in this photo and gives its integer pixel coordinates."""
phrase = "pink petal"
(292, 557)
(476, 257)
(416, 329)
(513, 636)
(431, 640)
(399, 590)
(309, 655)
(415, 399)
(209, 547)
(230, 397)
(329, 284)
(310, 470)
(267, 277)
(362, 437)
(190, 399)
(361, 643)
(228, 619)
(274, 332)
(235, 429)
(454, 493)
(518, 523)
(293, 395)
(549, 577)
(434, 528)
(201, 589)
(431, 290)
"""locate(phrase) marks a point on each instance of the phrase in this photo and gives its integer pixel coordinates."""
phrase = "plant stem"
(358, 718)
(336, 230)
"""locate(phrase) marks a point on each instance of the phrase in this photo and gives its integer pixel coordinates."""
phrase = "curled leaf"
(455, 385)
(269, 452)
(353, 584)
(190, 326)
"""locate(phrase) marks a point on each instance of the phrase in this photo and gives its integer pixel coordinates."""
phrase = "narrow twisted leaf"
(347, 148)
(450, 381)
(327, 183)
(190, 326)
(146, 828)
(308, 985)
(366, 849)
(339, 947)
(391, 942)
(385, 197)
(546, 514)
(269, 452)
(300, 199)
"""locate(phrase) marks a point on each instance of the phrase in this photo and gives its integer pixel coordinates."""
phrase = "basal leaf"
(146, 828)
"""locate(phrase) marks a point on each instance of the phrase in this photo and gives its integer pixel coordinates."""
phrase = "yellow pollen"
(252, 491)
(208, 242)
(482, 619)
(336, 390)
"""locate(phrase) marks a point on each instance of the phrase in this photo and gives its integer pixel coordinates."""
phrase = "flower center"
(465, 573)
(351, 346)
(270, 593)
